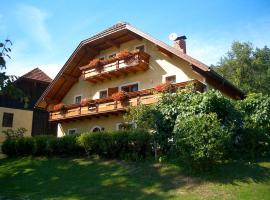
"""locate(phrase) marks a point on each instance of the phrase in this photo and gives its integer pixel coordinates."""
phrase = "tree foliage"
(246, 67)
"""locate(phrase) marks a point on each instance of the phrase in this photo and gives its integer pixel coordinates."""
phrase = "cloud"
(33, 23)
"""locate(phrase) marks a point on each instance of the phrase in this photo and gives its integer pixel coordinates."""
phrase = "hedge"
(132, 144)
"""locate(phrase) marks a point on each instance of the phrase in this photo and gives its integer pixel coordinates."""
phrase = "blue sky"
(45, 33)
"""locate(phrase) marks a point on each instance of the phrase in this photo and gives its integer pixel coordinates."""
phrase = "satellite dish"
(172, 36)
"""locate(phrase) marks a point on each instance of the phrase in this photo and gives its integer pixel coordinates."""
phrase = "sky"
(45, 33)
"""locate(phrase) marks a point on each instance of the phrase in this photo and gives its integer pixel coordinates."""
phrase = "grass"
(81, 178)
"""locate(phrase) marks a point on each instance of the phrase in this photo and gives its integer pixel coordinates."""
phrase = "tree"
(7, 86)
(246, 67)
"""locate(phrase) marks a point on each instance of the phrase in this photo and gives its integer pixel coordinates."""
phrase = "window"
(140, 48)
(7, 119)
(97, 129)
(125, 126)
(130, 88)
(72, 131)
(101, 57)
(171, 79)
(77, 99)
(103, 94)
(112, 55)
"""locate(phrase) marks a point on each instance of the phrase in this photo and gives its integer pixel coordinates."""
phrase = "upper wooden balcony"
(107, 106)
(115, 67)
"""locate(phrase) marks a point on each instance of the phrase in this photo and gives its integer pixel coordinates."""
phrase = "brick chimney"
(180, 43)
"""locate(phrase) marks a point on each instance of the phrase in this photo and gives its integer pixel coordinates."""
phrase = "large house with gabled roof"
(117, 68)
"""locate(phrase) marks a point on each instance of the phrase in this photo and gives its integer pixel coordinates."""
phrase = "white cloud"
(33, 23)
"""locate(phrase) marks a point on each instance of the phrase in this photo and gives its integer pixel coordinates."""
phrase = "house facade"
(83, 96)
(16, 114)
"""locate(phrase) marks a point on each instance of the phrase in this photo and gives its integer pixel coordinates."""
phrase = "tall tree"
(246, 67)
(7, 86)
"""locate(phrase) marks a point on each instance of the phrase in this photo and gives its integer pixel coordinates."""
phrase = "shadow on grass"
(63, 178)
(81, 178)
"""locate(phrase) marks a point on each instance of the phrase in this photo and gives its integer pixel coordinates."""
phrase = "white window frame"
(142, 44)
(112, 54)
(132, 83)
(167, 75)
(77, 95)
(96, 126)
(119, 123)
(106, 89)
(71, 129)
(102, 56)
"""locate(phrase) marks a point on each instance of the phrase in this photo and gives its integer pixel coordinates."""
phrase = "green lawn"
(70, 178)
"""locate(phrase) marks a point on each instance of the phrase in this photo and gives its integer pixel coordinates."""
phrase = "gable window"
(130, 88)
(103, 94)
(140, 48)
(170, 79)
(7, 119)
(112, 55)
(72, 131)
(77, 99)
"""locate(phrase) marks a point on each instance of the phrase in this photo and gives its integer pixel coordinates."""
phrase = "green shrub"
(128, 144)
(200, 140)
(254, 139)
(9, 147)
(41, 144)
(25, 146)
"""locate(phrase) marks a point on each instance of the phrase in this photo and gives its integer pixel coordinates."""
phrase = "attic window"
(112, 55)
(77, 99)
(140, 48)
(103, 94)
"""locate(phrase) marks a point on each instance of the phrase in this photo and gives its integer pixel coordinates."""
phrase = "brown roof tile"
(37, 74)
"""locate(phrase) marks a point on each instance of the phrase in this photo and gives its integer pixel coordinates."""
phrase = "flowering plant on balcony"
(164, 87)
(97, 63)
(60, 107)
(85, 102)
(120, 96)
(124, 54)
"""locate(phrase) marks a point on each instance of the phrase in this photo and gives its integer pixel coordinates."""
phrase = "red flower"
(120, 96)
(164, 87)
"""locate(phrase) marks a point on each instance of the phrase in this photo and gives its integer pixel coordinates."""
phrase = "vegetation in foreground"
(81, 178)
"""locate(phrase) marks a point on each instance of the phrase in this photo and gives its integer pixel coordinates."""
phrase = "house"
(15, 114)
(121, 58)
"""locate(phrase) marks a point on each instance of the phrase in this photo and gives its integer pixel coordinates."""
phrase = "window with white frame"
(170, 79)
(97, 129)
(140, 48)
(72, 131)
(103, 94)
(130, 87)
(112, 55)
(77, 99)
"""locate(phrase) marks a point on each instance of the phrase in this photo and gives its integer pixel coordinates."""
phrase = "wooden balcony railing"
(138, 61)
(106, 106)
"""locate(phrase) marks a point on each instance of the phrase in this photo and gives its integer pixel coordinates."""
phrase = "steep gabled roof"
(38, 75)
(113, 36)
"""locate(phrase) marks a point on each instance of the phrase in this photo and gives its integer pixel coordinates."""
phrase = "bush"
(9, 147)
(25, 146)
(131, 144)
(200, 140)
(254, 139)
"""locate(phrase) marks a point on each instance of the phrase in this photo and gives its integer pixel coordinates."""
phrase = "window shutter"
(112, 91)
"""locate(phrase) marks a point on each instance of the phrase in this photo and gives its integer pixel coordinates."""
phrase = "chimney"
(180, 44)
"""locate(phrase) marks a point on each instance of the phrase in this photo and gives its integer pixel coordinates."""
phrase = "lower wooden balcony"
(107, 106)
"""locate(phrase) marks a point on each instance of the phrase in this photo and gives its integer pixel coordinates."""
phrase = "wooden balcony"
(138, 61)
(107, 106)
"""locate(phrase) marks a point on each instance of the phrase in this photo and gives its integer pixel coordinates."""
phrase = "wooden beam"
(164, 51)
(135, 36)
(92, 50)
(70, 77)
(113, 43)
